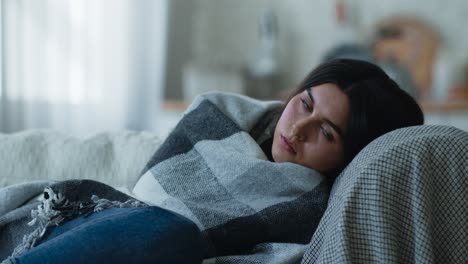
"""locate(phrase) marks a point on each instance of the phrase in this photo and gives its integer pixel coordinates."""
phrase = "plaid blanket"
(403, 199)
(213, 170)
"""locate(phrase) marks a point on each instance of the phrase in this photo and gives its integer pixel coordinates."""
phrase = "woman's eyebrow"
(334, 126)
(326, 120)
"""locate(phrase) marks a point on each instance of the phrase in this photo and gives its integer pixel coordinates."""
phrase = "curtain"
(82, 66)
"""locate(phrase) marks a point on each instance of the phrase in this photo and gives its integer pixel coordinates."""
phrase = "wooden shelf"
(174, 105)
(444, 106)
(427, 106)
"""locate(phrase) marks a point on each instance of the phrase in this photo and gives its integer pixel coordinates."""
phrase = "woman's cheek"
(289, 113)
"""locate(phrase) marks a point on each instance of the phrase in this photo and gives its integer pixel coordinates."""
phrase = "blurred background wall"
(222, 40)
(141, 61)
(226, 32)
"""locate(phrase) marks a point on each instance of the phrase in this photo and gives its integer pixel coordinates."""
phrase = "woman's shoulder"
(245, 111)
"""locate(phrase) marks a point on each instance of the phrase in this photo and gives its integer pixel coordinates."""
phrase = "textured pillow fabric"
(401, 200)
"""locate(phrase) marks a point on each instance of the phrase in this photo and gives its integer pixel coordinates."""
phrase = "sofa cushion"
(115, 158)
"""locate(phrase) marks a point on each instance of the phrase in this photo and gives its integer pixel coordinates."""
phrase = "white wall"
(180, 37)
(226, 32)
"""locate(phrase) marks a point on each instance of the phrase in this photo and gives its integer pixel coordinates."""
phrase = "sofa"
(401, 200)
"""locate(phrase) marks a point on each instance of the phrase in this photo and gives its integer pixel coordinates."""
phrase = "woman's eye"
(306, 105)
(327, 134)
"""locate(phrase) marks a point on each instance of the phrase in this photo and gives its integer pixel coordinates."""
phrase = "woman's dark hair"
(377, 104)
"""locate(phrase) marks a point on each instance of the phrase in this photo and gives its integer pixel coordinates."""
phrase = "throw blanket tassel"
(56, 209)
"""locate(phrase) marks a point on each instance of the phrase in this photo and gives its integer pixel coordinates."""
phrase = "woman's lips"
(287, 145)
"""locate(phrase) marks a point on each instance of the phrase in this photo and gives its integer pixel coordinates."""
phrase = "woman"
(336, 111)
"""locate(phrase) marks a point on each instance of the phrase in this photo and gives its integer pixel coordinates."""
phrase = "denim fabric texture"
(120, 235)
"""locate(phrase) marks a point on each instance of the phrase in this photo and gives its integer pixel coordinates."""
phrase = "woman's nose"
(301, 128)
(296, 133)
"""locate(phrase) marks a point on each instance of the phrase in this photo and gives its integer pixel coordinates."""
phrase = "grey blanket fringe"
(55, 208)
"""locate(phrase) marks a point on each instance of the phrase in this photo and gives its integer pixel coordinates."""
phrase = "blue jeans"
(120, 235)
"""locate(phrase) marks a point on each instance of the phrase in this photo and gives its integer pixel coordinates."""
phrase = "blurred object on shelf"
(465, 70)
(400, 74)
(262, 87)
(413, 44)
(349, 51)
(262, 72)
(348, 42)
(199, 78)
(458, 93)
(445, 74)
(347, 20)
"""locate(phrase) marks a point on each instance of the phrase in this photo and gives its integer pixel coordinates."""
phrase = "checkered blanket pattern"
(402, 200)
(212, 170)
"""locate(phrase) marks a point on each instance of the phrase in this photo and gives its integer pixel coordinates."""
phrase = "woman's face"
(311, 128)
